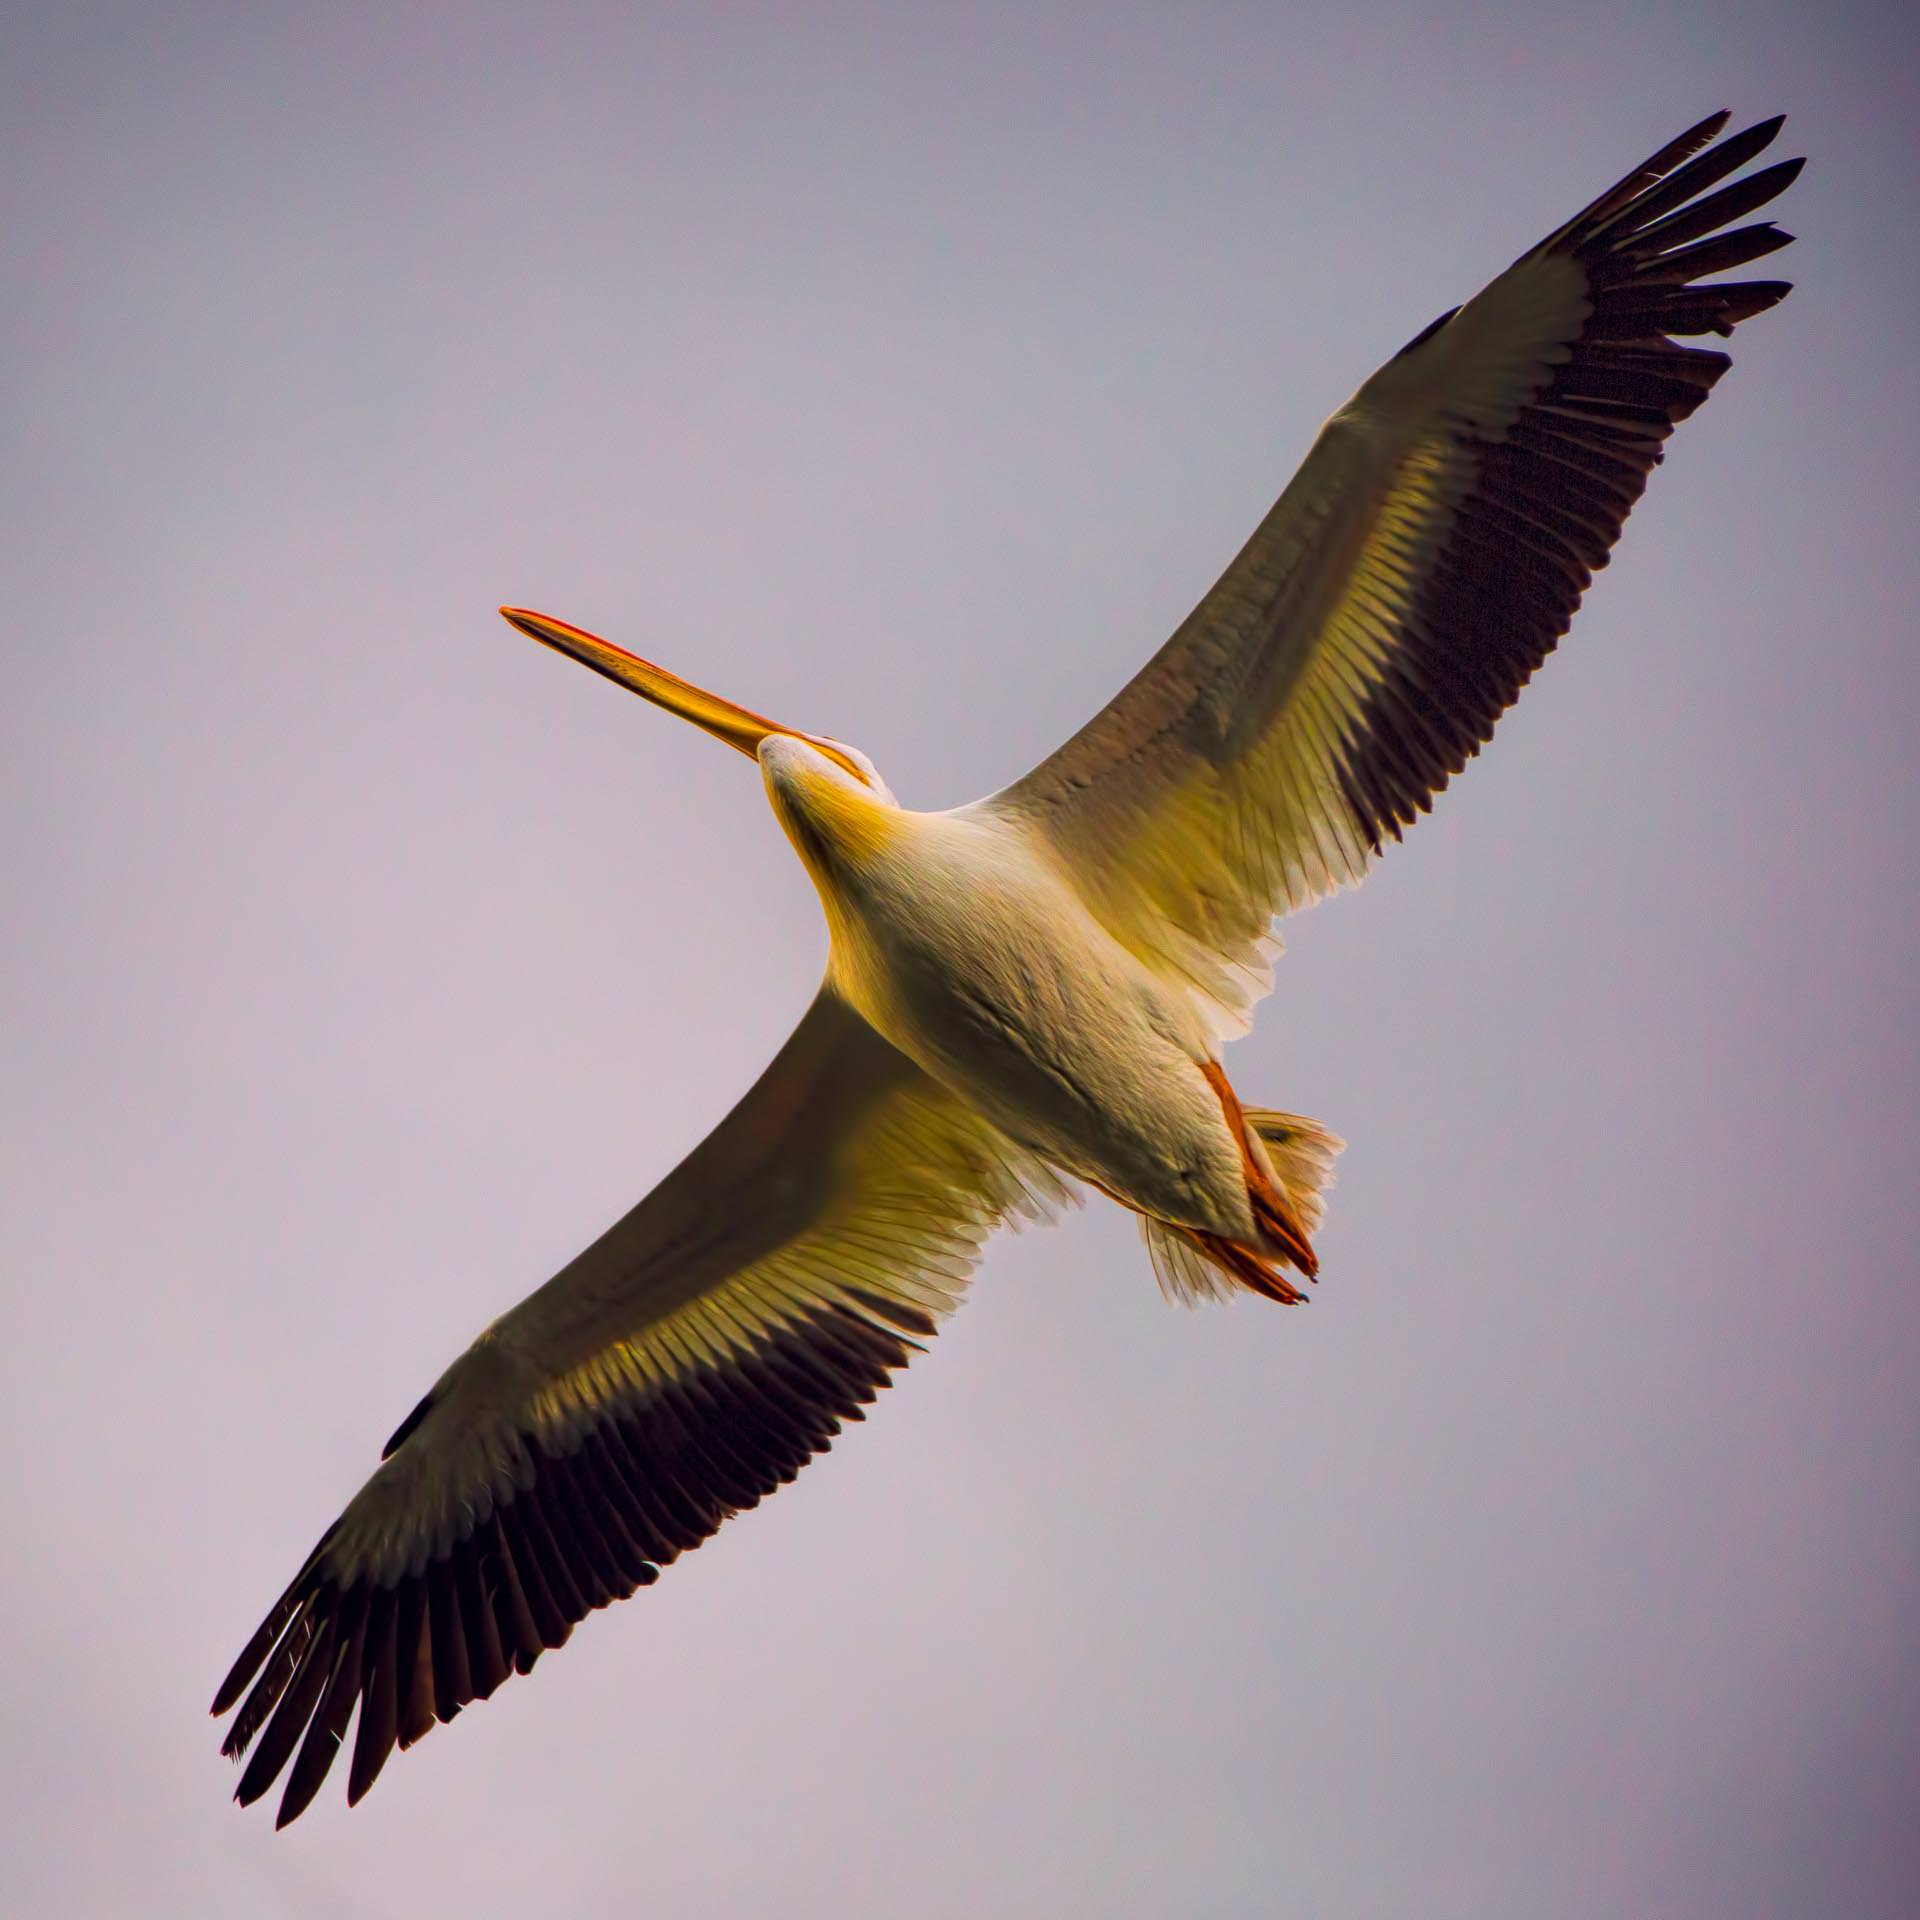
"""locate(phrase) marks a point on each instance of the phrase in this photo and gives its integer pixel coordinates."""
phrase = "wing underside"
(1427, 557)
(686, 1365)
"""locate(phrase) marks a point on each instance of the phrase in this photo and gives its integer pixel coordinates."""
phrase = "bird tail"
(1300, 1155)
(1293, 1167)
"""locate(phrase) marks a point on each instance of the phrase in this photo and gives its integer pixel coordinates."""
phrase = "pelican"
(1027, 996)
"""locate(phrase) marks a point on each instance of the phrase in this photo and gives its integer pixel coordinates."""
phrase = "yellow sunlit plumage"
(1026, 996)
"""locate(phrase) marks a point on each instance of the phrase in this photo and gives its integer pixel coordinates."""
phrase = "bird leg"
(1272, 1211)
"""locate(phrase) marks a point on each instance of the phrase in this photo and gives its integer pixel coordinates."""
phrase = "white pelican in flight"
(1029, 993)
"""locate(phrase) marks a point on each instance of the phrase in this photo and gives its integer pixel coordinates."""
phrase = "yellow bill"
(738, 726)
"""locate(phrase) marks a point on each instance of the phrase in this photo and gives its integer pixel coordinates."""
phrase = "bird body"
(1029, 993)
(957, 939)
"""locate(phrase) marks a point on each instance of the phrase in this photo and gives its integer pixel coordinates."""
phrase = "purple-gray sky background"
(907, 373)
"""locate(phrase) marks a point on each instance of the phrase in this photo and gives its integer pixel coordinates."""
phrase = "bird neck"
(837, 826)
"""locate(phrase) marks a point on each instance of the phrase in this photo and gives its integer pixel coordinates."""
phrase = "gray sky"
(907, 373)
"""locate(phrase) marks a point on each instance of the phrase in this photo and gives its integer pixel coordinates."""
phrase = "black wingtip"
(303, 1787)
(1696, 136)
(241, 1673)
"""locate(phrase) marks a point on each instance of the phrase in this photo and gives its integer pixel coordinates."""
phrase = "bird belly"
(983, 968)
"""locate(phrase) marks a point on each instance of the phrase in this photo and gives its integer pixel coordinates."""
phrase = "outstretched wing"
(684, 1366)
(1424, 561)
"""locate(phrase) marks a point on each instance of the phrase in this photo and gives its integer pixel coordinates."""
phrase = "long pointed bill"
(737, 726)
